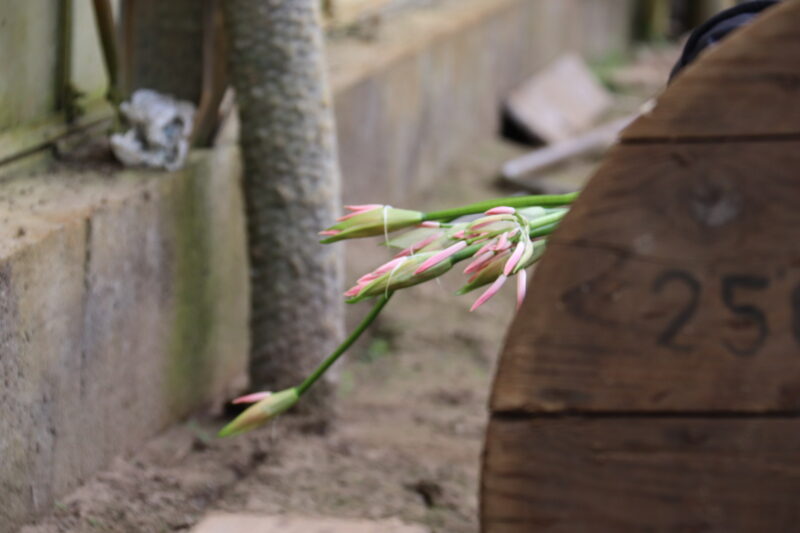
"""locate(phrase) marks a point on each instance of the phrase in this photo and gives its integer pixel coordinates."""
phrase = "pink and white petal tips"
(491, 291)
(353, 291)
(431, 224)
(514, 259)
(367, 279)
(357, 210)
(479, 262)
(363, 207)
(330, 232)
(486, 221)
(522, 287)
(386, 267)
(501, 210)
(502, 242)
(488, 247)
(440, 256)
(252, 398)
(419, 245)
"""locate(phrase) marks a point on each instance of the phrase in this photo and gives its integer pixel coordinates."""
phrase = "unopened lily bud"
(490, 270)
(532, 254)
(371, 220)
(491, 222)
(402, 275)
(261, 412)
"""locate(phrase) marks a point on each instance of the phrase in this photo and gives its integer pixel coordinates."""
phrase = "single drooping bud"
(371, 220)
(267, 406)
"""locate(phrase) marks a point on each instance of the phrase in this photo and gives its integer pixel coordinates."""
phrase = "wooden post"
(163, 47)
(651, 381)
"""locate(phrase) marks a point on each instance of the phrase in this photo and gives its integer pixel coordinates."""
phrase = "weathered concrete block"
(123, 306)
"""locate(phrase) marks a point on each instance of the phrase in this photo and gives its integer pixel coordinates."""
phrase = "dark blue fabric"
(717, 28)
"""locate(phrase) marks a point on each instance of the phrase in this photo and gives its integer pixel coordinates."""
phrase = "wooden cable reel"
(651, 381)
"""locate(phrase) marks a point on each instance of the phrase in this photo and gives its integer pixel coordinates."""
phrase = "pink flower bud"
(502, 210)
(514, 259)
(522, 282)
(478, 262)
(419, 245)
(491, 291)
(371, 220)
(357, 210)
(251, 398)
(440, 256)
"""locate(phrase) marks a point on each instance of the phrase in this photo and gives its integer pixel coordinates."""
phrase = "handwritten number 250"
(733, 287)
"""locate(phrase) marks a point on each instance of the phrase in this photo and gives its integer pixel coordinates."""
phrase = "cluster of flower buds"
(501, 243)
(506, 250)
(498, 243)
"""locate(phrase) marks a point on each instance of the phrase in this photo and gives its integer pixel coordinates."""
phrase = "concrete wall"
(431, 85)
(123, 306)
(30, 52)
(123, 296)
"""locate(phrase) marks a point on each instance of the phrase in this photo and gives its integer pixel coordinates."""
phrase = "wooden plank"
(674, 284)
(619, 475)
(747, 87)
(561, 101)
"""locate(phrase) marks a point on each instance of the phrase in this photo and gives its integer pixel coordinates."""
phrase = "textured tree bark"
(291, 185)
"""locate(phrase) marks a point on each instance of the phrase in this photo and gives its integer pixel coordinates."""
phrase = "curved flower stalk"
(267, 406)
(507, 237)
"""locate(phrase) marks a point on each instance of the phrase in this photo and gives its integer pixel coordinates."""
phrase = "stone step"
(251, 523)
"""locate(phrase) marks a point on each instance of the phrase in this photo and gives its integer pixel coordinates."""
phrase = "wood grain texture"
(651, 381)
(662, 232)
(749, 86)
(619, 475)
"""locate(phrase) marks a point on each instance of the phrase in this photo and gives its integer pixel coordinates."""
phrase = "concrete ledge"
(123, 306)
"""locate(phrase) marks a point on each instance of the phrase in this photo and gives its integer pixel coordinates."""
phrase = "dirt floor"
(406, 437)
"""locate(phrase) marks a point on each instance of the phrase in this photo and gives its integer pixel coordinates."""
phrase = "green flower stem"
(543, 200)
(543, 231)
(466, 253)
(353, 337)
(547, 220)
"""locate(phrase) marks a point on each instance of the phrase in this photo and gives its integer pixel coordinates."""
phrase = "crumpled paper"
(160, 128)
